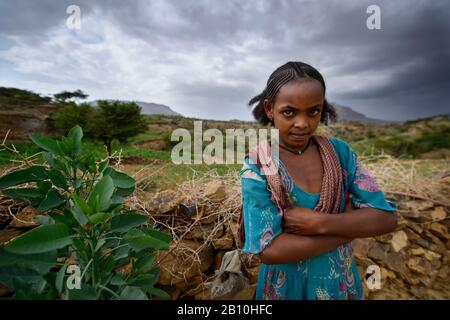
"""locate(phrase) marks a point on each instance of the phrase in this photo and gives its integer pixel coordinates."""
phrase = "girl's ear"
(268, 108)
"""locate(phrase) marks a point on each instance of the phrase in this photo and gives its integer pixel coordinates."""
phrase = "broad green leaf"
(133, 293)
(158, 292)
(163, 236)
(61, 218)
(31, 174)
(127, 221)
(121, 192)
(45, 219)
(120, 179)
(57, 178)
(41, 262)
(44, 186)
(59, 282)
(52, 200)
(142, 280)
(138, 240)
(118, 280)
(78, 215)
(82, 204)
(26, 274)
(103, 190)
(145, 264)
(46, 143)
(76, 134)
(31, 196)
(41, 239)
(66, 145)
(100, 217)
(86, 292)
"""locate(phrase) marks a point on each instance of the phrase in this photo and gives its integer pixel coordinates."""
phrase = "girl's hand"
(302, 221)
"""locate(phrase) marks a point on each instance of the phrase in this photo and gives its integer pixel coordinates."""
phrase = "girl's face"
(296, 111)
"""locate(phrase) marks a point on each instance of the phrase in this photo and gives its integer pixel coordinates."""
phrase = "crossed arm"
(307, 233)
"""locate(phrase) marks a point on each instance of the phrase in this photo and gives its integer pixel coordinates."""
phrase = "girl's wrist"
(325, 222)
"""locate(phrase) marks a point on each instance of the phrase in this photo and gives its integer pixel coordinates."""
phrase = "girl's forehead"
(302, 94)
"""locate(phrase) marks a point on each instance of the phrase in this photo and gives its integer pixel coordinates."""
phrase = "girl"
(290, 218)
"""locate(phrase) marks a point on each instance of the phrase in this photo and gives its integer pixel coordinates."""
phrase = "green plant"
(86, 222)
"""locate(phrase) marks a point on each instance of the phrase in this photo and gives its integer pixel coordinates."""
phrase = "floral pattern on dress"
(271, 290)
(347, 283)
(364, 180)
(266, 238)
(323, 294)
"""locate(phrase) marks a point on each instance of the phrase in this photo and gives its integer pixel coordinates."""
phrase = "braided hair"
(291, 71)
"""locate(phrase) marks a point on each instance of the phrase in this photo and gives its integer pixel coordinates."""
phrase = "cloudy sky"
(206, 59)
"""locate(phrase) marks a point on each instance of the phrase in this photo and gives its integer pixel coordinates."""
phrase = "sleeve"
(364, 188)
(262, 221)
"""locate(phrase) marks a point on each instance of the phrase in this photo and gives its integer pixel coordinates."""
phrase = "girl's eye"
(315, 112)
(287, 113)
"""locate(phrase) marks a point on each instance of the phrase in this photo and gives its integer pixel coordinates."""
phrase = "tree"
(64, 96)
(71, 114)
(116, 120)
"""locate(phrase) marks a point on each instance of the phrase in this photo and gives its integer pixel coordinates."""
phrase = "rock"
(397, 262)
(204, 232)
(434, 243)
(414, 226)
(387, 274)
(188, 208)
(250, 260)
(444, 273)
(401, 223)
(164, 202)
(416, 205)
(361, 247)
(252, 274)
(399, 240)
(7, 235)
(430, 255)
(412, 235)
(26, 218)
(417, 251)
(419, 265)
(193, 286)
(207, 214)
(218, 259)
(378, 252)
(215, 191)
(439, 213)
(181, 263)
(439, 230)
(385, 238)
(226, 242)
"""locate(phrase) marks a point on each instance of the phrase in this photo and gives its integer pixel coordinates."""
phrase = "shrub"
(86, 221)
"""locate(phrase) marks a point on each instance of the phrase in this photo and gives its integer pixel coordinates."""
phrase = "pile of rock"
(414, 260)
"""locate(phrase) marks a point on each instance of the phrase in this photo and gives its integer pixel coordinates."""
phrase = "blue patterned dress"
(332, 275)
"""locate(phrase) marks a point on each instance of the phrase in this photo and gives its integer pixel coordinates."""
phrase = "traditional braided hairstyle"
(290, 71)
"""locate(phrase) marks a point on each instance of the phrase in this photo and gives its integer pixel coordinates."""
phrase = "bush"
(86, 221)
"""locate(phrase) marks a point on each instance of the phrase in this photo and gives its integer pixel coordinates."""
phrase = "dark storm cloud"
(215, 55)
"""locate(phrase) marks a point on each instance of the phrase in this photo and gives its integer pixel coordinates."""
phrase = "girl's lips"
(299, 136)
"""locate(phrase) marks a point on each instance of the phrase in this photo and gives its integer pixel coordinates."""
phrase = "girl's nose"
(301, 123)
